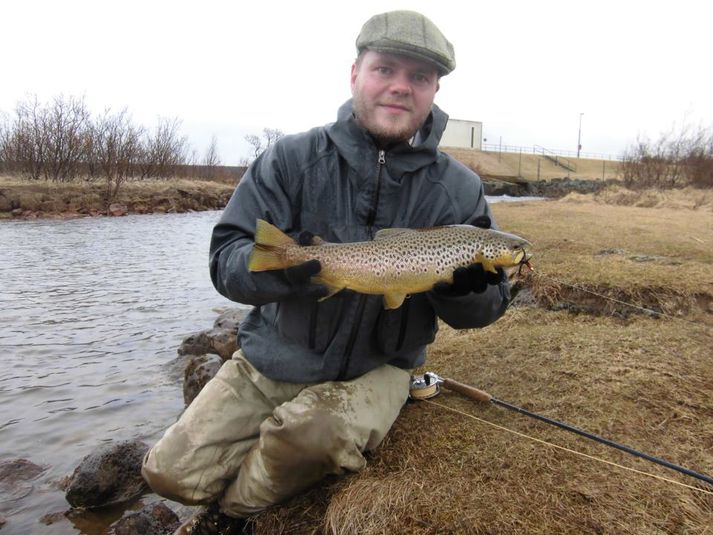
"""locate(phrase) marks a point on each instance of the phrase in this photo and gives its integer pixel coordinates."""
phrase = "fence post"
(519, 165)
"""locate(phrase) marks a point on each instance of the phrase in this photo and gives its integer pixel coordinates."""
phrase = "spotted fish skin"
(397, 263)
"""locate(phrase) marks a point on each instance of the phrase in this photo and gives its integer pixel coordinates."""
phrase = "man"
(318, 383)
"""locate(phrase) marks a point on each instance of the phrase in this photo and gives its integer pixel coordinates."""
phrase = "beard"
(385, 129)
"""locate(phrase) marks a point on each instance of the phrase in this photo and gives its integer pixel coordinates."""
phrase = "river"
(91, 313)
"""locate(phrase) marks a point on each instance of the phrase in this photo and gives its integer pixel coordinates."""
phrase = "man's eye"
(383, 70)
(420, 78)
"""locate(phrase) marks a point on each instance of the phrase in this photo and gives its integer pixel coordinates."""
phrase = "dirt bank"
(28, 199)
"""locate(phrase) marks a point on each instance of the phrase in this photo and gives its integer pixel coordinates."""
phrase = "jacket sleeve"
(261, 194)
(475, 309)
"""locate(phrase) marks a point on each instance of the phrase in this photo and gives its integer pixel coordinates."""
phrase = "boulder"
(230, 319)
(117, 210)
(109, 475)
(16, 478)
(199, 371)
(223, 342)
(154, 519)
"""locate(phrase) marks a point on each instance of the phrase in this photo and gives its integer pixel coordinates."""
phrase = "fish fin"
(269, 240)
(332, 291)
(489, 266)
(389, 233)
(393, 300)
(331, 287)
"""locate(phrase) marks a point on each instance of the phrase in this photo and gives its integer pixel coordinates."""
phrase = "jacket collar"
(358, 148)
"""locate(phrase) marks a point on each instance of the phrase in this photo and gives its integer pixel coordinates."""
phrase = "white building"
(463, 134)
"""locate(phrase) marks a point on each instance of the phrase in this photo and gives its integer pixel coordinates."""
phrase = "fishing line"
(568, 450)
(618, 301)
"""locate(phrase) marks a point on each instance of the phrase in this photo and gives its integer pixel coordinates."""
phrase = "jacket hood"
(352, 141)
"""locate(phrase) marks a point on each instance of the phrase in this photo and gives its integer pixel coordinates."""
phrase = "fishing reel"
(425, 386)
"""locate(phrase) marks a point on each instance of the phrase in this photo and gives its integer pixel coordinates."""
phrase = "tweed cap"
(410, 34)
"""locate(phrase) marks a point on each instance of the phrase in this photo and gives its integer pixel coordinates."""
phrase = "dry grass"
(139, 196)
(508, 165)
(643, 380)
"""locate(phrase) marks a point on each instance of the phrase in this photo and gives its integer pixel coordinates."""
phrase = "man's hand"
(468, 279)
(472, 278)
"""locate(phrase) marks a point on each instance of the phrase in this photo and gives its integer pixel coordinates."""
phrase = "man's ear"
(438, 86)
(355, 71)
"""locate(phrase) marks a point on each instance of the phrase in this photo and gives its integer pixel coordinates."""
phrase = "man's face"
(392, 94)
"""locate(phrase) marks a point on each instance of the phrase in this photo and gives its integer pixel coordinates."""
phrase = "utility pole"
(579, 136)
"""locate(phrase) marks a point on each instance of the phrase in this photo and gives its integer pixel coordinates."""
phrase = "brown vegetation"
(571, 350)
(22, 198)
(676, 159)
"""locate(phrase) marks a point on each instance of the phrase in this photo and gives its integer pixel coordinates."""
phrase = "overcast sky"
(526, 69)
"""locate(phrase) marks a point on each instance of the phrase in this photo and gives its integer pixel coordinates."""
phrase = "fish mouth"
(523, 260)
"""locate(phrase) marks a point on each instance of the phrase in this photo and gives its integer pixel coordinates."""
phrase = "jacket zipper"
(375, 206)
(362, 298)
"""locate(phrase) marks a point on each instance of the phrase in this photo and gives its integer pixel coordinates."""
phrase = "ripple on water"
(91, 314)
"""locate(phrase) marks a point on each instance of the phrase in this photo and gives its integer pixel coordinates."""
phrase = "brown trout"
(397, 263)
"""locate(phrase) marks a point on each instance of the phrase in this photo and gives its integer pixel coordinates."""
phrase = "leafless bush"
(113, 150)
(260, 144)
(676, 159)
(164, 150)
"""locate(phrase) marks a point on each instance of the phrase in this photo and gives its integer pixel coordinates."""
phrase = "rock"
(53, 518)
(17, 212)
(199, 371)
(230, 319)
(221, 342)
(16, 478)
(154, 519)
(117, 210)
(6, 205)
(19, 469)
(111, 474)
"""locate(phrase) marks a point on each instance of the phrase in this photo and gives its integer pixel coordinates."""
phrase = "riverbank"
(26, 199)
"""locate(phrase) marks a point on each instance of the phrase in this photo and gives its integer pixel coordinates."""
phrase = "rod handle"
(466, 390)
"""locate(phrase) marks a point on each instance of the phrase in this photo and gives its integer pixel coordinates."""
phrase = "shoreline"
(27, 200)
(24, 200)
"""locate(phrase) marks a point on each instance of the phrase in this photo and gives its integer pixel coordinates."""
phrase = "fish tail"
(269, 243)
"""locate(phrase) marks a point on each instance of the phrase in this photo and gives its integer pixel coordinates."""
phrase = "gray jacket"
(336, 183)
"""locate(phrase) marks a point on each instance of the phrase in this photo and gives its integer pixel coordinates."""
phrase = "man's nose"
(401, 84)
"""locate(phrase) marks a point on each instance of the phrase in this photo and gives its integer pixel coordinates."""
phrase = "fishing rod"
(427, 386)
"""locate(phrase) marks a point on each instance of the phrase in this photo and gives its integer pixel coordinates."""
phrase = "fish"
(397, 263)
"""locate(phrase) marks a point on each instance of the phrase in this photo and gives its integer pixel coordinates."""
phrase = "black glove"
(482, 221)
(472, 278)
(299, 276)
(468, 279)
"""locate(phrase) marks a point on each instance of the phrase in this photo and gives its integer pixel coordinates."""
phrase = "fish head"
(501, 249)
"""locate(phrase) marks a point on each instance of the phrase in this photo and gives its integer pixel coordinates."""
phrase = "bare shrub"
(114, 150)
(260, 144)
(675, 160)
(164, 150)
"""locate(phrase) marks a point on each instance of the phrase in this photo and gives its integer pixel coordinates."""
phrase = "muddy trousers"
(250, 442)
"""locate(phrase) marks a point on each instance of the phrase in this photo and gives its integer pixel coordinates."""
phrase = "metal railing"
(555, 158)
(535, 149)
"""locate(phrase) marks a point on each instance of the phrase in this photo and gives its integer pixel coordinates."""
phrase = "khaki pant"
(251, 442)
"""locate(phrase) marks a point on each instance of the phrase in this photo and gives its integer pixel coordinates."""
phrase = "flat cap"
(408, 33)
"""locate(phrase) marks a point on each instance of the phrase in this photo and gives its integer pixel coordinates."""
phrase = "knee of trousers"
(297, 439)
(166, 479)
